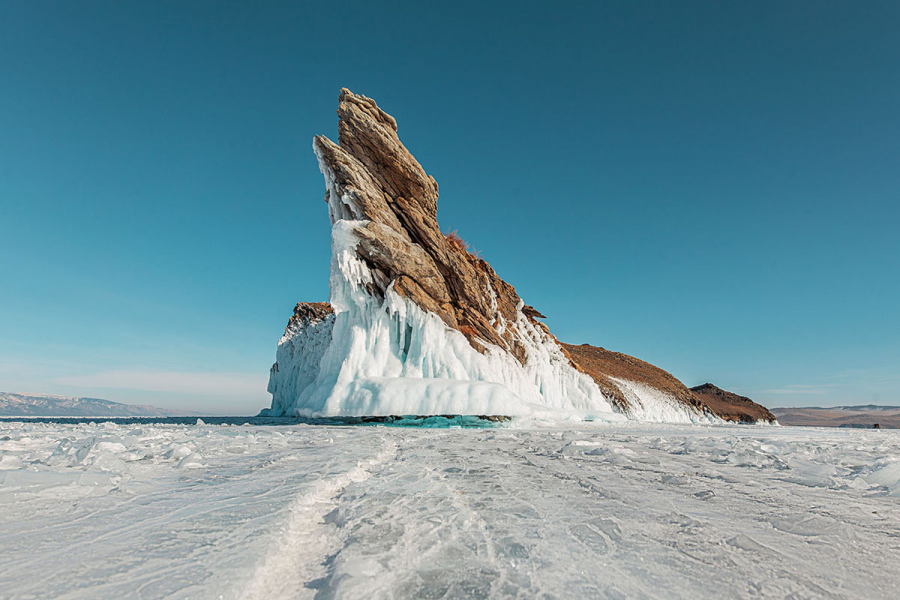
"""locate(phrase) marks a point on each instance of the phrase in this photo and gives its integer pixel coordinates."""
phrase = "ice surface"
(623, 510)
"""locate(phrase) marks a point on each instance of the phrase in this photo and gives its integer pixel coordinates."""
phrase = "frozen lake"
(155, 510)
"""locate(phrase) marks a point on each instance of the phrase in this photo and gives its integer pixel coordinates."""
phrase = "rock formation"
(730, 406)
(416, 324)
(373, 178)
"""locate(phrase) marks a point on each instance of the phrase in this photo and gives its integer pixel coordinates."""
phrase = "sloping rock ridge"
(416, 324)
(621, 376)
(730, 406)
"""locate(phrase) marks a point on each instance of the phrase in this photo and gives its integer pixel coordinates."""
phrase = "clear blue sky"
(713, 187)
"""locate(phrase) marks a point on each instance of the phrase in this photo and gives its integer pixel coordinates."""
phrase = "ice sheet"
(624, 510)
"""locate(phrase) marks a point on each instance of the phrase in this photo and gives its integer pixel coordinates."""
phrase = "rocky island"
(417, 325)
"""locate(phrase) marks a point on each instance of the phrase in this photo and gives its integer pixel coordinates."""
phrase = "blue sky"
(713, 187)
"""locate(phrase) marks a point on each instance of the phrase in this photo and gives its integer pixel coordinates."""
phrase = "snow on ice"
(619, 510)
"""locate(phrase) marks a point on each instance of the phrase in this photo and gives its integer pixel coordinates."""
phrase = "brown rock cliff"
(378, 180)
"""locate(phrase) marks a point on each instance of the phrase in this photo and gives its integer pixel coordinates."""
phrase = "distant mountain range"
(47, 405)
(864, 415)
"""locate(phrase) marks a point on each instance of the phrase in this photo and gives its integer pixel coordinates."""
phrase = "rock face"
(416, 324)
(373, 178)
(730, 406)
(618, 373)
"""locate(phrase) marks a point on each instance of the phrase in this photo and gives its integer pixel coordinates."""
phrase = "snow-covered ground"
(622, 510)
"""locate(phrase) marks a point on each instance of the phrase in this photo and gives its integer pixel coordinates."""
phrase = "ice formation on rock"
(415, 324)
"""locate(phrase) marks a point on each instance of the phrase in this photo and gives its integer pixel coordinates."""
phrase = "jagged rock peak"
(370, 135)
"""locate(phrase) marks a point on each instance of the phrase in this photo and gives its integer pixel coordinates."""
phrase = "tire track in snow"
(296, 557)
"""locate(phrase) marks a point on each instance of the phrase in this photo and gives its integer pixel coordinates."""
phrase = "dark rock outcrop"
(309, 311)
(730, 406)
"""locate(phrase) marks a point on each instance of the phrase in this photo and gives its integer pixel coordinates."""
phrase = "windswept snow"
(625, 510)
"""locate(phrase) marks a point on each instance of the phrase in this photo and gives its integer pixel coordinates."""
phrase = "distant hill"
(47, 405)
(865, 415)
